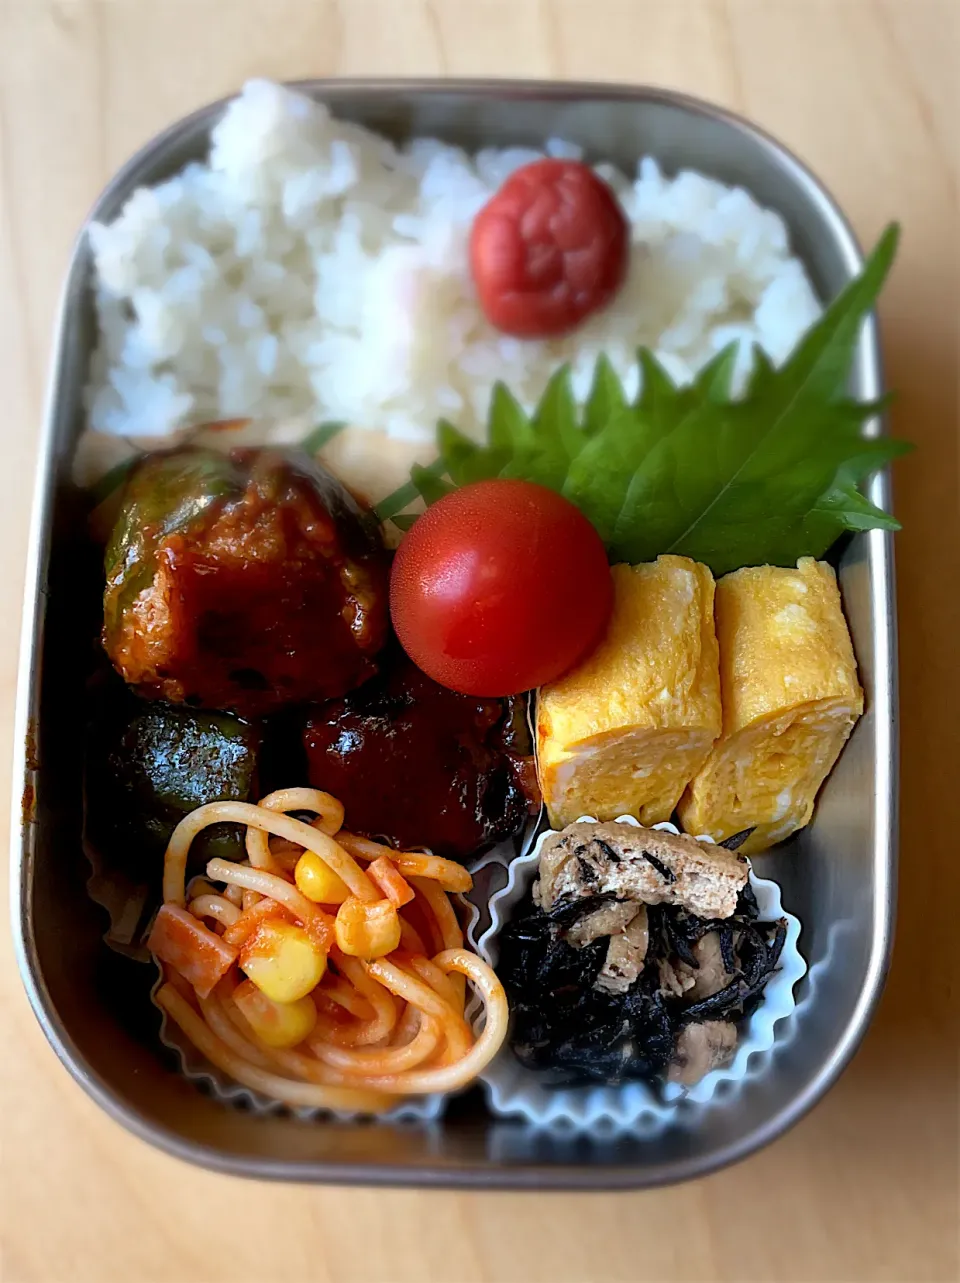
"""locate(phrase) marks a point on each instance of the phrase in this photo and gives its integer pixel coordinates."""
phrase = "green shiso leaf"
(314, 441)
(766, 477)
(725, 482)
(606, 399)
(429, 485)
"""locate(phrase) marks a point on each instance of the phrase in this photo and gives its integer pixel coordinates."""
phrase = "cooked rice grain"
(311, 270)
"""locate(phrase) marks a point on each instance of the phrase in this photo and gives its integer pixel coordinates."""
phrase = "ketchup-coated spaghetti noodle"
(344, 1004)
(284, 826)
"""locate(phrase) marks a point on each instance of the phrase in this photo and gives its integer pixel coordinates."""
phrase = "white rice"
(311, 271)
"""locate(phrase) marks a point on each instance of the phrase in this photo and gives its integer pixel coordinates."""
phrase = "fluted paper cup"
(409, 1109)
(514, 1090)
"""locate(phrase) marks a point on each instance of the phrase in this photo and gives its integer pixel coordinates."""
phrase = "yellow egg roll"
(790, 696)
(624, 732)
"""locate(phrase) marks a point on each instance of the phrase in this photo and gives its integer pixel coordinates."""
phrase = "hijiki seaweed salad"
(610, 972)
(446, 502)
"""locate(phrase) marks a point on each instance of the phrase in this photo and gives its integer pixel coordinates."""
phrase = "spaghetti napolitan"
(348, 1002)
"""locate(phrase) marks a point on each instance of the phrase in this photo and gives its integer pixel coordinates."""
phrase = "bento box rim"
(879, 551)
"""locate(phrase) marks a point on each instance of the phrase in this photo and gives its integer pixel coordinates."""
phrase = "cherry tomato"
(548, 249)
(500, 587)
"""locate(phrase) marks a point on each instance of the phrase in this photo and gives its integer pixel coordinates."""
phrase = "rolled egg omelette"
(790, 699)
(625, 731)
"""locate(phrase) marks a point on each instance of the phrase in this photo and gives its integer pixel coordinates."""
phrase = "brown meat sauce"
(421, 765)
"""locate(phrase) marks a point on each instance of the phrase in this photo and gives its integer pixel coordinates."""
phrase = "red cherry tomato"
(548, 249)
(500, 587)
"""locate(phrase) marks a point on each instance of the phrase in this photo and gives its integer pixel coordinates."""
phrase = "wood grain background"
(866, 1187)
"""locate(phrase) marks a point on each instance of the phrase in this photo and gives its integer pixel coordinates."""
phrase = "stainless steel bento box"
(838, 876)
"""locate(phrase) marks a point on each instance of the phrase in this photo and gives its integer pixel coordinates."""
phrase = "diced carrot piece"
(182, 941)
(251, 918)
(390, 881)
(321, 928)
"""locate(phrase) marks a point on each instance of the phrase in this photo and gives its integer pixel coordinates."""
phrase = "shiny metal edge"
(879, 548)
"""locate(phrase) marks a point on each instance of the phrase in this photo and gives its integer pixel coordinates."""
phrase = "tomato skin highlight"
(548, 249)
(500, 587)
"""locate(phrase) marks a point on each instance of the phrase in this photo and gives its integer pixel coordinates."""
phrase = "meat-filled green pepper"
(146, 773)
(245, 582)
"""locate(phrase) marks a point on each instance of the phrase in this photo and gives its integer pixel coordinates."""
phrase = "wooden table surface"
(865, 1188)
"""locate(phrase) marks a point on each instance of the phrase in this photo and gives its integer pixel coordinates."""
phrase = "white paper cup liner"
(126, 902)
(514, 1090)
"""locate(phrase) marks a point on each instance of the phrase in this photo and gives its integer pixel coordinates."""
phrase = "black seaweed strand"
(736, 841)
(668, 875)
(568, 910)
(587, 871)
(573, 1032)
(612, 855)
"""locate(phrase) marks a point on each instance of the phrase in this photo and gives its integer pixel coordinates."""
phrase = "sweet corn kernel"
(367, 930)
(317, 881)
(278, 1024)
(282, 961)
